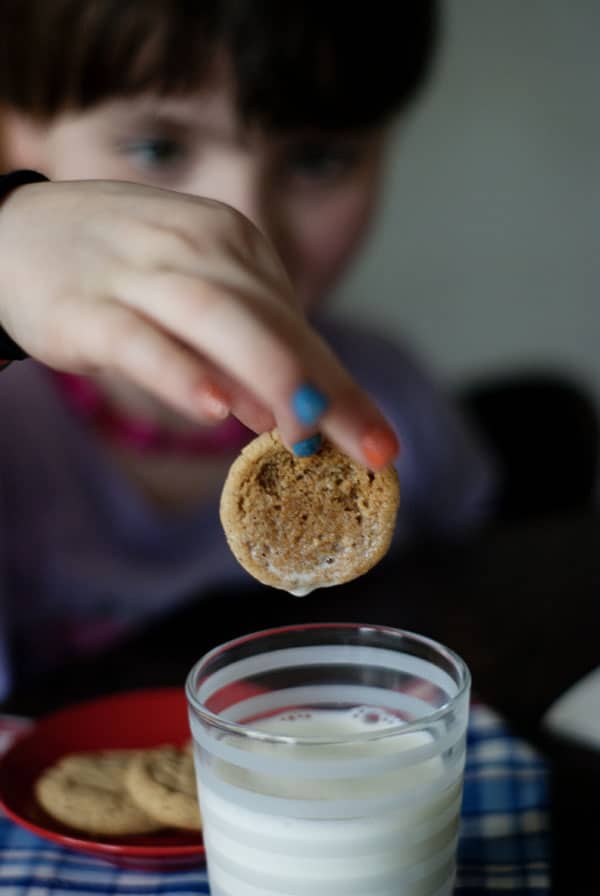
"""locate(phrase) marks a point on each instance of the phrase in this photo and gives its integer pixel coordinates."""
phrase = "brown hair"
(296, 62)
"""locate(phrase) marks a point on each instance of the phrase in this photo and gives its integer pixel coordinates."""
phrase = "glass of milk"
(330, 761)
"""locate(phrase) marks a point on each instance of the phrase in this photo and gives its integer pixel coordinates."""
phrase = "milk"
(377, 817)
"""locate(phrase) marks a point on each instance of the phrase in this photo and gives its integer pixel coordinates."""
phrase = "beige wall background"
(487, 250)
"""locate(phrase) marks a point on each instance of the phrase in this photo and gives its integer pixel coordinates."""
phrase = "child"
(212, 170)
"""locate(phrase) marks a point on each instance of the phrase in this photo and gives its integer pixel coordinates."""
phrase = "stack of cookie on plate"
(122, 792)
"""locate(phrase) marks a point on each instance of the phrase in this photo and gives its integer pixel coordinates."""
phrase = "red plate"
(136, 719)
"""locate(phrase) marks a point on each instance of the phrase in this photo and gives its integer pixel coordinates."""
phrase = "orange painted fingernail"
(379, 446)
(213, 401)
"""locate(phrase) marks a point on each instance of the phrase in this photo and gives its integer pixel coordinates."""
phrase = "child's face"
(311, 193)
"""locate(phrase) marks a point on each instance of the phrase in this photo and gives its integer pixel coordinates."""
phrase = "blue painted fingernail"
(307, 447)
(309, 404)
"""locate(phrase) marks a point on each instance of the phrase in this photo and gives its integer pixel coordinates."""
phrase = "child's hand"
(184, 297)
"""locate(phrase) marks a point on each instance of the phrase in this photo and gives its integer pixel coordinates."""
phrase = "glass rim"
(255, 733)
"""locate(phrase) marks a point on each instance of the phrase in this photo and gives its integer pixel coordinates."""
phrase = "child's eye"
(154, 152)
(321, 162)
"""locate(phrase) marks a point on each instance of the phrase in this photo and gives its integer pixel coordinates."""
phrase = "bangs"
(69, 54)
(296, 64)
(332, 64)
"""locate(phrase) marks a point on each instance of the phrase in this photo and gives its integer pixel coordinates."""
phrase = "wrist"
(9, 349)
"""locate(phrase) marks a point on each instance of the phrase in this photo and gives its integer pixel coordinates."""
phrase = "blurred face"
(311, 193)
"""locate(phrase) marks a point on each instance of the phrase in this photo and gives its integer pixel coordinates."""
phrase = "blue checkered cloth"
(504, 844)
(505, 834)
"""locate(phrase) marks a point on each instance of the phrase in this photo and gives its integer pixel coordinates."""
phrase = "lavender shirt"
(84, 557)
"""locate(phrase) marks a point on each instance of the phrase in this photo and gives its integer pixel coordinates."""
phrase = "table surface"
(521, 604)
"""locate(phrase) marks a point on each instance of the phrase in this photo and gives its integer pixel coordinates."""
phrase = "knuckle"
(191, 294)
(163, 245)
(236, 226)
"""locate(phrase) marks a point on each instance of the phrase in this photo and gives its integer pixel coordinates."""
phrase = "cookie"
(304, 523)
(163, 783)
(87, 791)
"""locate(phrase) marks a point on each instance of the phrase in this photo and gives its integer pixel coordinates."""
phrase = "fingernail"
(309, 404)
(379, 446)
(213, 402)
(307, 447)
